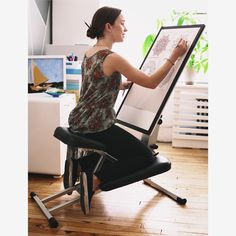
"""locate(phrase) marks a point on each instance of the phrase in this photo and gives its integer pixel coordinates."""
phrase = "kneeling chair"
(79, 147)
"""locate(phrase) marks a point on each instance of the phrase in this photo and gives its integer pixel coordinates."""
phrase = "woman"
(94, 116)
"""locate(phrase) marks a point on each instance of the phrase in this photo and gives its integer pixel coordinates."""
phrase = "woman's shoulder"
(116, 58)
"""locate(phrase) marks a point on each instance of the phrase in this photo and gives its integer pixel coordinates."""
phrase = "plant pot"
(189, 75)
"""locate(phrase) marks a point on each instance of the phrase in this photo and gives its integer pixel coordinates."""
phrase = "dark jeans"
(131, 153)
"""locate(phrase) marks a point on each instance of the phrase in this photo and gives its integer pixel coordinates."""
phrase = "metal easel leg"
(179, 200)
(150, 141)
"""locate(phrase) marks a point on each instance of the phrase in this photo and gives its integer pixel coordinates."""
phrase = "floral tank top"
(94, 111)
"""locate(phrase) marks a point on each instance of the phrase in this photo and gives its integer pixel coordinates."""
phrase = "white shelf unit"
(190, 124)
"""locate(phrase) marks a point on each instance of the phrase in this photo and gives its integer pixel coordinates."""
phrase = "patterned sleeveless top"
(94, 111)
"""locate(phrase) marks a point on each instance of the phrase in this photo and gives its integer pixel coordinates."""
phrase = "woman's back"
(95, 112)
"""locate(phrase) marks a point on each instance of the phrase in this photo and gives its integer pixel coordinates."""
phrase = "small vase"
(189, 76)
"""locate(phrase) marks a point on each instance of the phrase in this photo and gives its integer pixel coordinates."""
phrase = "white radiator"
(190, 125)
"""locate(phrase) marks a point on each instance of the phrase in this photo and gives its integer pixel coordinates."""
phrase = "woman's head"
(104, 17)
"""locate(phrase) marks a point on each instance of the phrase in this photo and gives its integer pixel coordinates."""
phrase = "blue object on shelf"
(73, 71)
(55, 94)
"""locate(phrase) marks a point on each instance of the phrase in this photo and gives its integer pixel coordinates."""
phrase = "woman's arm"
(117, 63)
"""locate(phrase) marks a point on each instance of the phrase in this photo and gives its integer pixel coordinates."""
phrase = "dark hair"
(102, 16)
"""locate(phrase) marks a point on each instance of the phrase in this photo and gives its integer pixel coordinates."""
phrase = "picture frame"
(46, 71)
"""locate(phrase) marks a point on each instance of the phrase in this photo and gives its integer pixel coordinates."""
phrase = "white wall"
(38, 26)
(68, 18)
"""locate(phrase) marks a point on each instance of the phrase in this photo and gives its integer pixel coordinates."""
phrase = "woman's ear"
(108, 27)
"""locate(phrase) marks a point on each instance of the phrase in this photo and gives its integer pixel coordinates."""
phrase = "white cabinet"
(46, 154)
(190, 127)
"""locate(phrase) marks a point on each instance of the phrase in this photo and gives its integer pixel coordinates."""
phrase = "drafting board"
(142, 107)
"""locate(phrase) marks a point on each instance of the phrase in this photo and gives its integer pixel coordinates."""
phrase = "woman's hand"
(179, 50)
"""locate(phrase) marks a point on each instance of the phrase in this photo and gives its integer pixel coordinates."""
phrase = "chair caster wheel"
(181, 201)
(53, 223)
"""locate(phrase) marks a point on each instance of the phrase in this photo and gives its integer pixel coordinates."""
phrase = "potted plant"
(198, 60)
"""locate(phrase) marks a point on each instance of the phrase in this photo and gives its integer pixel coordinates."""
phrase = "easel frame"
(180, 69)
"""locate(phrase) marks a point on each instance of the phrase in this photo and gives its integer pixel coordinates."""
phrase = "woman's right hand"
(179, 50)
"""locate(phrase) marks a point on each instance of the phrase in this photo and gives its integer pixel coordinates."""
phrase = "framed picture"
(142, 107)
(46, 71)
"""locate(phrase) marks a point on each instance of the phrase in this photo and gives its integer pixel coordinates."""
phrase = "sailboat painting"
(44, 73)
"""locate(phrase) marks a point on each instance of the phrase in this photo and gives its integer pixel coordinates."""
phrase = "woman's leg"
(131, 153)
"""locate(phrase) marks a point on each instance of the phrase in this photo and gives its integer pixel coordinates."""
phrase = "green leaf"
(193, 21)
(180, 21)
(198, 46)
(190, 65)
(148, 43)
(205, 48)
(205, 60)
(204, 64)
(190, 62)
(205, 67)
(160, 23)
(197, 67)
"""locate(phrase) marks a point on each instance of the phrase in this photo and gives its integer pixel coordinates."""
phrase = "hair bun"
(91, 32)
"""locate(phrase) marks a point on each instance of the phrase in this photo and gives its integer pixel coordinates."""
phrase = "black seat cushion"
(160, 165)
(74, 140)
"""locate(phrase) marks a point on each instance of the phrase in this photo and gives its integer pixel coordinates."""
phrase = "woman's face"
(119, 29)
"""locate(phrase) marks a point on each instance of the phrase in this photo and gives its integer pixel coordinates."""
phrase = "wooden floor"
(135, 209)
